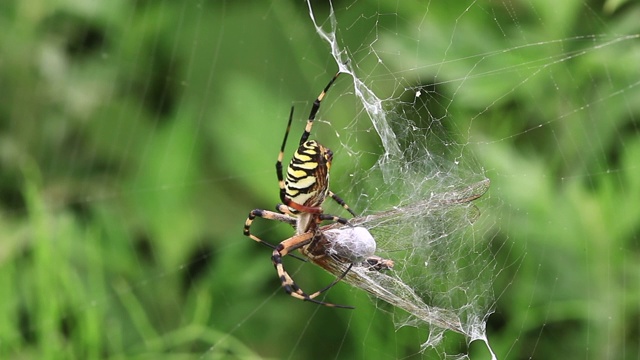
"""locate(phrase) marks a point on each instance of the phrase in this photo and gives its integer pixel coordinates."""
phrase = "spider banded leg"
(328, 217)
(265, 214)
(269, 215)
(341, 202)
(296, 292)
(314, 110)
(280, 156)
(290, 287)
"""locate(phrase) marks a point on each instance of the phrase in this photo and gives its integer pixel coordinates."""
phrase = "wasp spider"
(302, 193)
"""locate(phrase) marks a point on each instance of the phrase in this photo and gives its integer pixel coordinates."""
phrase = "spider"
(302, 193)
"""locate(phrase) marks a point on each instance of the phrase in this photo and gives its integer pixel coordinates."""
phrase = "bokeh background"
(135, 136)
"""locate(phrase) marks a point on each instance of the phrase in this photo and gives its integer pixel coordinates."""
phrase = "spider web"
(445, 267)
(136, 136)
(442, 275)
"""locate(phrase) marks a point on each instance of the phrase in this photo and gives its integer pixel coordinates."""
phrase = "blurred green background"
(135, 136)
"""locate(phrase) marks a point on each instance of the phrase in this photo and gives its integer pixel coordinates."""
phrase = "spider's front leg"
(290, 287)
(265, 214)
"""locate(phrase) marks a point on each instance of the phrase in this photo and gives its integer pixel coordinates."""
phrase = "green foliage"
(136, 136)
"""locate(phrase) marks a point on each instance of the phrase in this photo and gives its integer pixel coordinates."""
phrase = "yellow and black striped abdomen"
(307, 180)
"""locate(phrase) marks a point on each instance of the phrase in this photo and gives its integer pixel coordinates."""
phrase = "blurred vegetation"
(135, 136)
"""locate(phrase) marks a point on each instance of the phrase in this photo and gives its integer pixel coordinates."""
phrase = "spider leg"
(284, 209)
(269, 215)
(290, 287)
(328, 217)
(299, 294)
(265, 214)
(335, 281)
(341, 202)
(280, 156)
(314, 110)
